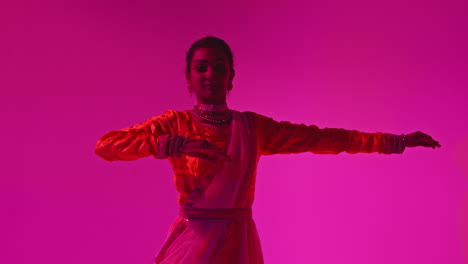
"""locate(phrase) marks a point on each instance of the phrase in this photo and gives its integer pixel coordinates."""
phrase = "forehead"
(209, 54)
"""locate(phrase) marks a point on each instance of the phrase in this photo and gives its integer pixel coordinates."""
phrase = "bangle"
(162, 147)
(175, 146)
(400, 143)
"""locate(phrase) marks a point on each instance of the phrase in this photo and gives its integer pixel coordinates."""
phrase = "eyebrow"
(219, 59)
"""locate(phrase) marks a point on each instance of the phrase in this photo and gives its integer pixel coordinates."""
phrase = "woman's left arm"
(284, 138)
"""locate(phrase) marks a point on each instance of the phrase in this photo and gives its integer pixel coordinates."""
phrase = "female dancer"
(214, 152)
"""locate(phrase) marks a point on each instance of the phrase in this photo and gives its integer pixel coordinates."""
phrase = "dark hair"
(209, 42)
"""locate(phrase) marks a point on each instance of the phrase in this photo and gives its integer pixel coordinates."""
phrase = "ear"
(187, 78)
(189, 82)
(233, 73)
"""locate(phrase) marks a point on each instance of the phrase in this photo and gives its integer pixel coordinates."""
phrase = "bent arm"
(137, 141)
(285, 138)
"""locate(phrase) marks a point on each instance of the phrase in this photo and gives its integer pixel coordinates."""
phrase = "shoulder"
(259, 121)
(169, 119)
(244, 114)
(248, 113)
(256, 117)
(172, 115)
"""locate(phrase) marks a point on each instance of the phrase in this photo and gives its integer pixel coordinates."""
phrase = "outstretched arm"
(284, 138)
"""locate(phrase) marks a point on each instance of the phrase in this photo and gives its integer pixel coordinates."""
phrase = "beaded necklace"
(218, 115)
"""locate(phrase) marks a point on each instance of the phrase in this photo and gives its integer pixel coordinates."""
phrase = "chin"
(214, 100)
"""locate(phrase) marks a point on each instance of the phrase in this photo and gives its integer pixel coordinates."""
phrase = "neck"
(211, 101)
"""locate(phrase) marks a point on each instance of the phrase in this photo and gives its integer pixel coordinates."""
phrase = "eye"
(219, 68)
(201, 68)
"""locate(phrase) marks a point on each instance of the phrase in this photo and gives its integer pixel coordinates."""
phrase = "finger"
(435, 144)
(205, 146)
(209, 150)
(427, 141)
(221, 155)
(207, 157)
(210, 147)
(212, 158)
(202, 156)
(198, 147)
(197, 143)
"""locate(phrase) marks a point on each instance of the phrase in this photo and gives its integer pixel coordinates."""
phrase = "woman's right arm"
(137, 141)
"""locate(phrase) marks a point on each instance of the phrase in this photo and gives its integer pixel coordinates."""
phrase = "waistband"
(216, 213)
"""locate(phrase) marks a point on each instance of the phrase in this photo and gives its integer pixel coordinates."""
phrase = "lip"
(211, 86)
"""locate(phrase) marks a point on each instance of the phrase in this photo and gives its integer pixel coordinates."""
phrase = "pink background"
(71, 72)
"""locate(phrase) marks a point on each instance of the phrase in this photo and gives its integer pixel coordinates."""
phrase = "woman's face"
(210, 76)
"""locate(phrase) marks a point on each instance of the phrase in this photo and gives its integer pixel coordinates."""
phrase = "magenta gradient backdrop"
(71, 72)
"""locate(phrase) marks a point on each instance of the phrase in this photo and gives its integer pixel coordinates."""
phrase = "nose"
(209, 72)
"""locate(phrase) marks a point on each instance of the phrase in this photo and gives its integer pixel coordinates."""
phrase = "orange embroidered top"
(272, 137)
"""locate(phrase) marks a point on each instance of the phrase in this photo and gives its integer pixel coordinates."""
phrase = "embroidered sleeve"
(138, 141)
(285, 138)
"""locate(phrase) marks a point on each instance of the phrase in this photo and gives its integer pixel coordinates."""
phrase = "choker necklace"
(212, 108)
(218, 115)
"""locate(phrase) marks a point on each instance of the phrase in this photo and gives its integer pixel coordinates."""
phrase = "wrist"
(400, 143)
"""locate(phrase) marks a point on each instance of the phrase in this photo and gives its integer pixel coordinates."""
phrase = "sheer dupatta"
(229, 184)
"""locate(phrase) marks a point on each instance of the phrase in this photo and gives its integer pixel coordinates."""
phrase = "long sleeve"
(285, 138)
(137, 141)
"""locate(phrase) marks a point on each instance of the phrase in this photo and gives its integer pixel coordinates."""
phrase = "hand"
(204, 150)
(420, 139)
